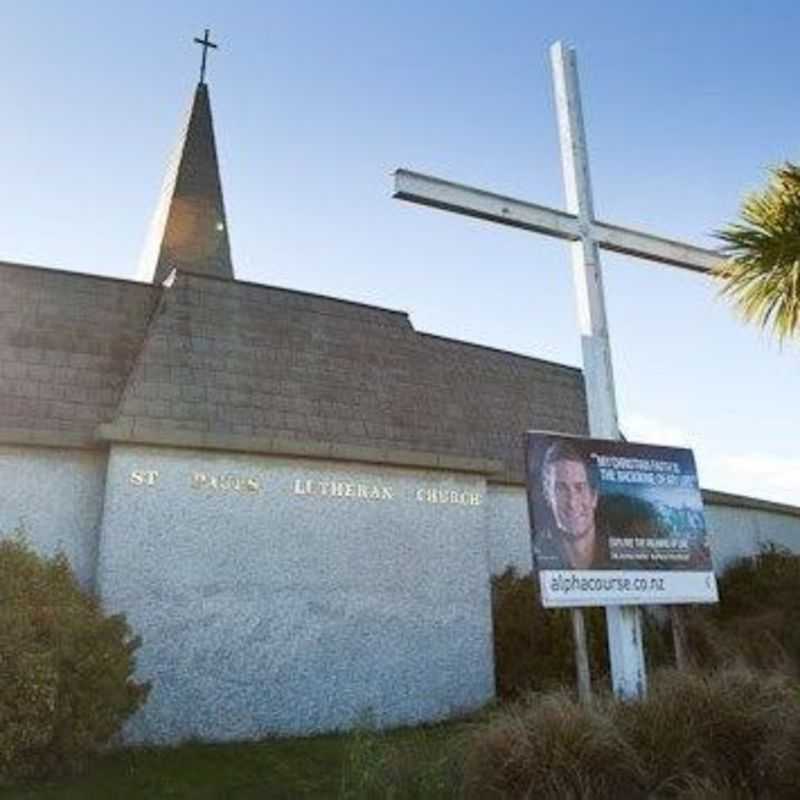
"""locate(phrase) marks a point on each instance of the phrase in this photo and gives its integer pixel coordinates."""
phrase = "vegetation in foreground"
(731, 734)
(399, 764)
(66, 668)
(728, 729)
(756, 623)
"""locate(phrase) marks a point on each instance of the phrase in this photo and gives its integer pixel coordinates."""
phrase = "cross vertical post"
(205, 43)
(623, 622)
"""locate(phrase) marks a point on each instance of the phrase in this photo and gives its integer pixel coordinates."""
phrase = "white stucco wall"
(55, 496)
(737, 531)
(507, 529)
(273, 612)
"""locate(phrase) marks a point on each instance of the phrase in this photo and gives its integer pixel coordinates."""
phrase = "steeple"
(189, 230)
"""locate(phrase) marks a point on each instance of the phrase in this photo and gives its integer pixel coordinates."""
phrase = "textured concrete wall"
(507, 529)
(737, 531)
(56, 496)
(270, 611)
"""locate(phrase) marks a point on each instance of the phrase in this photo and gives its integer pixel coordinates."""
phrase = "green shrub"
(533, 646)
(768, 580)
(759, 607)
(757, 621)
(65, 668)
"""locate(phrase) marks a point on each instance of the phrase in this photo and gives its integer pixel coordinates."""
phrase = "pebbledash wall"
(55, 497)
(282, 595)
(293, 595)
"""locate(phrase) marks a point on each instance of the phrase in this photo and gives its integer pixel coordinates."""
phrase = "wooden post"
(581, 656)
(679, 640)
(624, 623)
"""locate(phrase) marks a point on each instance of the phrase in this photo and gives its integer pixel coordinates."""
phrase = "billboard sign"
(616, 523)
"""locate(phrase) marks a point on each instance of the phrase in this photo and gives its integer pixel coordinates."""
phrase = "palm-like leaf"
(761, 273)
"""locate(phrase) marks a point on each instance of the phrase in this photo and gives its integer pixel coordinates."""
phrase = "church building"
(297, 501)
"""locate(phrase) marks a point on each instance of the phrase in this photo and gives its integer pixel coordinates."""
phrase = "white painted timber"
(428, 190)
(624, 623)
(448, 196)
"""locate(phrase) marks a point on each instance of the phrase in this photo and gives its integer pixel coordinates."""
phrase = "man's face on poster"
(572, 498)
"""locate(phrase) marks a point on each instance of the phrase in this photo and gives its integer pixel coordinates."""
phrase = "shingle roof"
(246, 366)
(67, 345)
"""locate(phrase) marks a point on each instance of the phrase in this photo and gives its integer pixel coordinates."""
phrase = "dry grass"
(736, 727)
(550, 746)
(732, 734)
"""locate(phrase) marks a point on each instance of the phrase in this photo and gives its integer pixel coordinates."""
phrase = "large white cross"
(578, 226)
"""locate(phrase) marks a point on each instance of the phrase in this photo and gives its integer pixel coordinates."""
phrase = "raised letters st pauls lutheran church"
(297, 501)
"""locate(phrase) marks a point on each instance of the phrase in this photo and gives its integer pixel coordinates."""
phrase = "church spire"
(189, 230)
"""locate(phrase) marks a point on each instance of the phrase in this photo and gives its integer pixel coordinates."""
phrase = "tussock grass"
(732, 733)
(736, 728)
(547, 745)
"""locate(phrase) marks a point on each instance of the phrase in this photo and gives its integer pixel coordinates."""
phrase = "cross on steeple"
(205, 42)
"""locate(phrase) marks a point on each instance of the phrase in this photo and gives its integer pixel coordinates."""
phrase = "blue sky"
(686, 104)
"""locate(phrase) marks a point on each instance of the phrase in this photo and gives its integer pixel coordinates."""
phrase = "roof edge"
(30, 437)
(144, 434)
(465, 343)
(61, 271)
(717, 498)
(303, 292)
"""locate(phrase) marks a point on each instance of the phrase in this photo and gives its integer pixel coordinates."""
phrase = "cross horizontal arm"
(427, 190)
(438, 193)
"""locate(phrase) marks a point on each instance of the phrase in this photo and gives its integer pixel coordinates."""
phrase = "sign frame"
(616, 523)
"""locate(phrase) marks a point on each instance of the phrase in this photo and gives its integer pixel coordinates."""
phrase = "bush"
(757, 621)
(533, 646)
(760, 605)
(65, 668)
(733, 733)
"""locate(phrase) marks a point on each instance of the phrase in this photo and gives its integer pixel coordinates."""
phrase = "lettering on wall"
(144, 477)
(448, 497)
(374, 492)
(362, 491)
(225, 483)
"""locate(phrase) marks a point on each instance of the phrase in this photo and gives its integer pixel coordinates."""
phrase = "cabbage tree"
(761, 273)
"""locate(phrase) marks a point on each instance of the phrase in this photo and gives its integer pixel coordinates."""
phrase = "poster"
(616, 523)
